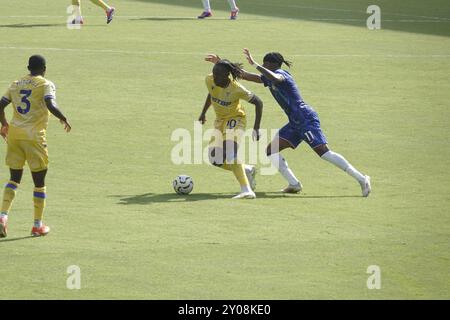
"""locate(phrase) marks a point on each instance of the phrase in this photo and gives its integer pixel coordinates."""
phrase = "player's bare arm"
(3, 121)
(206, 106)
(54, 110)
(257, 102)
(249, 76)
(253, 77)
(271, 76)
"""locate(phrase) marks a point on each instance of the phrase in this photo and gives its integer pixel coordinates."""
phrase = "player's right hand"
(213, 58)
(67, 126)
(202, 118)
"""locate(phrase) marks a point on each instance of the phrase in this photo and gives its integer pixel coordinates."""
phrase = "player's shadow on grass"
(164, 18)
(148, 198)
(16, 239)
(22, 25)
(184, 19)
(44, 25)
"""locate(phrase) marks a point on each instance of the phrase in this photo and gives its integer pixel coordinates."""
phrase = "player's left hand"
(4, 132)
(213, 58)
(256, 135)
(202, 118)
(67, 126)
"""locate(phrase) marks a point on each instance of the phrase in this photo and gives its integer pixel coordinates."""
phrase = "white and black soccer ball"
(183, 184)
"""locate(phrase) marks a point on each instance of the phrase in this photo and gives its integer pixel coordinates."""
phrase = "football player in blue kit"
(303, 125)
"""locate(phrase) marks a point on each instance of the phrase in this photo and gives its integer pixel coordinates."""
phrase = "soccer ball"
(183, 184)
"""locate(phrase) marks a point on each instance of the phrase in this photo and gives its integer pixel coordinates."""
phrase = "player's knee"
(321, 150)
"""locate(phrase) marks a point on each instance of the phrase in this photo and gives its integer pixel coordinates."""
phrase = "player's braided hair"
(276, 57)
(234, 68)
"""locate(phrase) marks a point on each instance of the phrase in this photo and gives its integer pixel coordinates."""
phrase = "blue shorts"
(310, 132)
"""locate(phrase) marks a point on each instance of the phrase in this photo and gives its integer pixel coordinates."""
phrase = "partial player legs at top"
(110, 11)
(234, 10)
(207, 12)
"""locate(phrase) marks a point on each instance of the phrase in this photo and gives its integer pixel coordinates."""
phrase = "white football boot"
(293, 188)
(245, 195)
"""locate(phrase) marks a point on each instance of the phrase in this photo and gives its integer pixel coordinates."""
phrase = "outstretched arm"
(3, 121)
(206, 106)
(271, 76)
(258, 110)
(249, 76)
(54, 110)
(214, 58)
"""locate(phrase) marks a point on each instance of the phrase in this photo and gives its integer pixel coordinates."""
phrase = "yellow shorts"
(33, 152)
(227, 129)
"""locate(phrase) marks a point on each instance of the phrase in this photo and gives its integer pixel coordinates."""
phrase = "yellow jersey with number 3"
(226, 100)
(30, 119)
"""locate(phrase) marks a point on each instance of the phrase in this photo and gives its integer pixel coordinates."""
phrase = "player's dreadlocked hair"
(234, 68)
(276, 57)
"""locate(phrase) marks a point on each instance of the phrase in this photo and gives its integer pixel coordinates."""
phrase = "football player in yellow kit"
(32, 97)
(225, 93)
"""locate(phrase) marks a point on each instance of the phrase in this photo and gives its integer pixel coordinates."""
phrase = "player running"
(225, 93)
(303, 125)
(32, 97)
(110, 11)
(208, 13)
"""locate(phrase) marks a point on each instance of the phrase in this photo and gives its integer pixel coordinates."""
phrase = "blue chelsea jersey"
(290, 100)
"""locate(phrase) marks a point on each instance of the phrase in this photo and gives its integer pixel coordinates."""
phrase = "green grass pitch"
(383, 98)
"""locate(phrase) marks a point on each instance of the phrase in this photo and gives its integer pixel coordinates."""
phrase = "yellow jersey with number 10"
(30, 119)
(226, 100)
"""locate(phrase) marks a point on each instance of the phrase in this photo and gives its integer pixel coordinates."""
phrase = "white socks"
(340, 162)
(206, 5)
(280, 163)
(335, 158)
(232, 5)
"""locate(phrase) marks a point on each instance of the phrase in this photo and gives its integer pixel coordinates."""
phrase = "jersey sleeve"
(49, 90)
(243, 93)
(7, 96)
(282, 72)
(268, 83)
